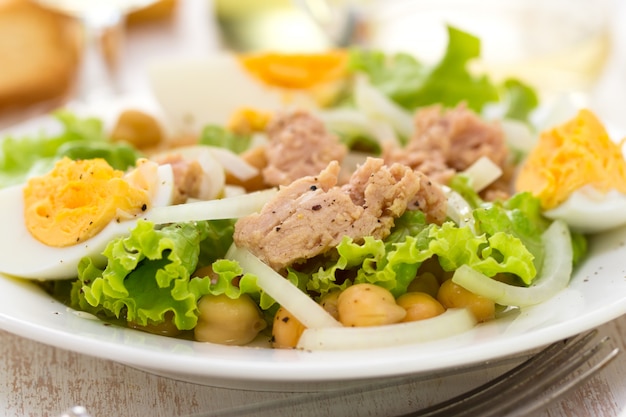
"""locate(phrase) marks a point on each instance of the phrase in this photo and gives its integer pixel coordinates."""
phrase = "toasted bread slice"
(40, 49)
(38, 53)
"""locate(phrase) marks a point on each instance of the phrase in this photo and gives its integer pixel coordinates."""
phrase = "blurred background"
(559, 46)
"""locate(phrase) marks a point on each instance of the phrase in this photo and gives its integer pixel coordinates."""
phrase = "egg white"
(197, 93)
(587, 210)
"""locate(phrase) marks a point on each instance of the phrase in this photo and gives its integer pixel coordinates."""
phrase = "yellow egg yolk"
(296, 70)
(568, 157)
(320, 75)
(77, 199)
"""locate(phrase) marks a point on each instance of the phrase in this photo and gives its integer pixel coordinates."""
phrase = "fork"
(527, 388)
(518, 391)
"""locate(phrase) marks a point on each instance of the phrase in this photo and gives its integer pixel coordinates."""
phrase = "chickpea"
(137, 128)
(246, 121)
(452, 295)
(426, 282)
(329, 303)
(228, 321)
(286, 330)
(368, 305)
(419, 306)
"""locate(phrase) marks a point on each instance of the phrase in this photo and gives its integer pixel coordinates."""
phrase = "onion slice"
(234, 163)
(226, 208)
(554, 277)
(351, 121)
(482, 173)
(458, 209)
(299, 304)
(375, 105)
(451, 322)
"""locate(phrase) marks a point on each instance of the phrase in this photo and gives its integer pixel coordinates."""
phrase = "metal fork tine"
(529, 379)
(521, 397)
(530, 366)
(543, 401)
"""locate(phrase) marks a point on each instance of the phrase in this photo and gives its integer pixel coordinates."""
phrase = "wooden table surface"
(39, 380)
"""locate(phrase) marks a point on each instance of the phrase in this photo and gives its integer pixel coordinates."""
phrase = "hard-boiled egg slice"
(23, 255)
(579, 175)
(196, 93)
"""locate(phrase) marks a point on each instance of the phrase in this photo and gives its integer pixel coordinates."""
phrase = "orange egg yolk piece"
(77, 199)
(296, 71)
(570, 156)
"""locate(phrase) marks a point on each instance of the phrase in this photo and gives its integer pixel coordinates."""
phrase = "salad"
(391, 207)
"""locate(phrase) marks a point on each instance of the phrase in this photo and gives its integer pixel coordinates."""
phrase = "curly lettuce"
(148, 274)
(394, 265)
(520, 216)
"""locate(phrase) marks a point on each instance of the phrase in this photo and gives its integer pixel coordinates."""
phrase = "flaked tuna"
(313, 214)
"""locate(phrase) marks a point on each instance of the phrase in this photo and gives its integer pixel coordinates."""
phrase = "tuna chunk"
(447, 141)
(313, 214)
(299, 145)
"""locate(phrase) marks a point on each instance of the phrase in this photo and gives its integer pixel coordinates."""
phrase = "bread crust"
(38, 54)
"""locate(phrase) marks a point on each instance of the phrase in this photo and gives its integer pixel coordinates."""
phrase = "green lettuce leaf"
(490, 254)
(80, 138)
(450, 82)
(520, 100)
(359, 141)
(411, 223)
(399, 77)
(412, 84)
(148, 274)
(394, 264)
(219, 237)
(230, 280)
(119, 155)
(520, 216)
(213, 135)
(461, 183)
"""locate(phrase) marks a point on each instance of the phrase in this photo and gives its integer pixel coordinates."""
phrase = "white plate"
(597, 294)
